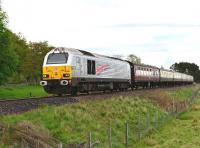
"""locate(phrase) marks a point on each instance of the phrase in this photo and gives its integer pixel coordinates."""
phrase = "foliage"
(19, 60)
(180, 132)
(20, 46)
(31, 66)
(189, 68)
(134, 59)
(8, 57)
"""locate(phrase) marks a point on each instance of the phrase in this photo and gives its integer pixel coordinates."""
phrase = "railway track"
(17, 106)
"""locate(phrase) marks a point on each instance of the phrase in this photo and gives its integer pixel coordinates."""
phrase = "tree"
(19, 60)
(32, 65)
(188, 68)
(134, 59)
(20, 46)
(8, 57)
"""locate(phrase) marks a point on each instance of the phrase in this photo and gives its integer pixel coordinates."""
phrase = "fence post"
(38, 143)
(161, 118)
(156, 119)
(168, 109)
(173, 106)
(60, 145)
(177, 107)
(147, 122)
(90, 140)
(185, 104)
(138, 127)
(110, 137)
(126, 137)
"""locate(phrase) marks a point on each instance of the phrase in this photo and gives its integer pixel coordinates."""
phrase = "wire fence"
(133, 131)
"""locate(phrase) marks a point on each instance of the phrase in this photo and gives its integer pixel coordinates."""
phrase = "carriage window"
(91, 68)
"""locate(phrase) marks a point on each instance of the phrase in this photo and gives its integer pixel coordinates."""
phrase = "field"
(184, 131)
(71, 124)
(21, 91)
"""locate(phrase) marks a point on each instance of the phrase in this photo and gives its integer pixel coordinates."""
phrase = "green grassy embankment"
(183, 132)
(72, 123)
(21, 91)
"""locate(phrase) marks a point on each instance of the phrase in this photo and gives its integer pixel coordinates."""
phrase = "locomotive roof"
(79, 52)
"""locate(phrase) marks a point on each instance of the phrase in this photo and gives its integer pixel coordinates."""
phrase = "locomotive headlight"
(45, 75)
(66, 75)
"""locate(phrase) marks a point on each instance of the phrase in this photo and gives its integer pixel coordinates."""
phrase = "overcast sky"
(160, 32)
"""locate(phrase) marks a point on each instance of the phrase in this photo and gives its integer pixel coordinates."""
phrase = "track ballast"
(17, 106)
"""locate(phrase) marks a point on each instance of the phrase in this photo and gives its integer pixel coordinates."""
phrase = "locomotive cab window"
(91, 68)
(57, 58)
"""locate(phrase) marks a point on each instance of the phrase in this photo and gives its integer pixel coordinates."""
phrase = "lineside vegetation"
(180, 132)
(72, 123)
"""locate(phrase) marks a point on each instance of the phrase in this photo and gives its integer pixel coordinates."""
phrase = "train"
(69, 71)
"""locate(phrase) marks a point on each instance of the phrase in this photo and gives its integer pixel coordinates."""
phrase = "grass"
(183, 132)
(182, 93)
(72, 123)
(21, 91)
(166, 97)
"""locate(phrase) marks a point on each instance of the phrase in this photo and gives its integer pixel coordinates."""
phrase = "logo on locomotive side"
(101, 68)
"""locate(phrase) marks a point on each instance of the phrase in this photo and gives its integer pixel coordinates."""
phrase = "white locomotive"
(67, 70)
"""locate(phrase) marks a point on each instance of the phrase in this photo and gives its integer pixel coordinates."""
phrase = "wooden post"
(147, 122)
(90, 140)
(126, 137)
(60, 145)
(110, 137)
